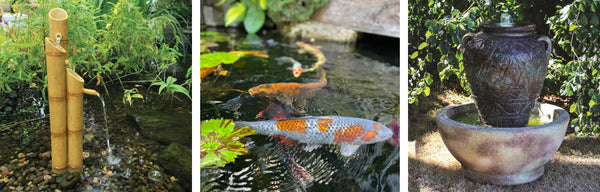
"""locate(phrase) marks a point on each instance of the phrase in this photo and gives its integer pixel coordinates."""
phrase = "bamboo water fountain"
(65, 95)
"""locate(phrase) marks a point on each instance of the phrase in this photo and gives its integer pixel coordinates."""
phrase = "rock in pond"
(165, 127)
(177, 160)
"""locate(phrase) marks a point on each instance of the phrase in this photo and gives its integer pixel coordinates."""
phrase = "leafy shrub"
(576, 29)
(129, 43)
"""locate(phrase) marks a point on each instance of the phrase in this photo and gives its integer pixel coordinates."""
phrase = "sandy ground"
(575, 167)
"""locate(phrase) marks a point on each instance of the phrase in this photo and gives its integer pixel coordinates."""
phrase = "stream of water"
(112, 160)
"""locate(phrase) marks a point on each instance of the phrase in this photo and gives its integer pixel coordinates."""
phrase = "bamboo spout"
(90, 92)
(74, 121)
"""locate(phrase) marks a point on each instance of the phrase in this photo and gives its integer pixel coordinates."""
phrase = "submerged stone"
(165, 128)
(177, 160)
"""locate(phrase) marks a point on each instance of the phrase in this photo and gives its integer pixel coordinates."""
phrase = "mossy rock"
(177, 160)
(164, 127)
(293, 10)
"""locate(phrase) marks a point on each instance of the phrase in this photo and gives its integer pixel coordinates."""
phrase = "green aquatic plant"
(171, 87)
(219, 143)
(209, 60)
(130, 94)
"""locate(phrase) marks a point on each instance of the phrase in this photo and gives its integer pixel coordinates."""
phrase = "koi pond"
(142, 147)
(359, 80)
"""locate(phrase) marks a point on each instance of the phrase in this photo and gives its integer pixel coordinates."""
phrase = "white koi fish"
(348, 132)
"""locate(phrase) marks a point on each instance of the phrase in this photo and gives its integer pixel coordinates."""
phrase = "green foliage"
(219, 143)
(130, 94)
(209, 60)
(251, 12)
(574, 67)
(107, 41)
(171, 87)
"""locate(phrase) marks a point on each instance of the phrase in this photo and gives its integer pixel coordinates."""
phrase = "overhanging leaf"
(255, 18)
(235, 13)
(219, 143)
(263, 4)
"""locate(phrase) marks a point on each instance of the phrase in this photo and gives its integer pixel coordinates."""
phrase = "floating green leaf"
(209, 60)
(219, 143)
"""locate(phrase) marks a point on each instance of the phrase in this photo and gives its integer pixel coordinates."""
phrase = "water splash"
(111, 158)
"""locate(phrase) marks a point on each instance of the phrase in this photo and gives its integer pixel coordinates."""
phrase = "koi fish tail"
(321, 72)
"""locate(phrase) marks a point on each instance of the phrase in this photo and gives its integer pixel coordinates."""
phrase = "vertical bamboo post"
(57, 19)
(74, 121)
(55, 57)
(55, 66)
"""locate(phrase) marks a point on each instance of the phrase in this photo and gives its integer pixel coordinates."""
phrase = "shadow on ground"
(421, 116)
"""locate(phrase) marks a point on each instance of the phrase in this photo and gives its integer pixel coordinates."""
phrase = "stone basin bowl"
(503, 156)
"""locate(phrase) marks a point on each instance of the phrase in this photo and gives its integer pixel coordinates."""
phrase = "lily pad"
(219, 143)
(209, 60)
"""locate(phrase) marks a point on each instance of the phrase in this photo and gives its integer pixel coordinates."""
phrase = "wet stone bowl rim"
(444, 116)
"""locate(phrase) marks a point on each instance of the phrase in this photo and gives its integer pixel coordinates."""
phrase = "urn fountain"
(505, 65)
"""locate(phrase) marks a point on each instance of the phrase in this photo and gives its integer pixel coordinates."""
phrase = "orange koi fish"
(288, 92)
(348, 132)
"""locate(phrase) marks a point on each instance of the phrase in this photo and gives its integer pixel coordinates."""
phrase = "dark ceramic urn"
(505, 66)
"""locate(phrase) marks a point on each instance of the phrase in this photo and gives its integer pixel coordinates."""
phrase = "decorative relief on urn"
(506, 67)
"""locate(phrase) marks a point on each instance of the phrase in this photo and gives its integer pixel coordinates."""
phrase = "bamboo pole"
(74, 121)
(55, 66)
(57, 19)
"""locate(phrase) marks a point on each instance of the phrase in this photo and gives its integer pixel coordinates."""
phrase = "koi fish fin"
(311, 147)
(348, 149)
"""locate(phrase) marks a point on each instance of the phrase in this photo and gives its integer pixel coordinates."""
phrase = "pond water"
(472, 118)
(362, 81)
(141, 156)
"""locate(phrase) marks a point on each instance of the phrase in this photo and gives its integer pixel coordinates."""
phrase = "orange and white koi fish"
(297, 69)
(305, 47)
(348, 132)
